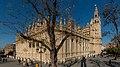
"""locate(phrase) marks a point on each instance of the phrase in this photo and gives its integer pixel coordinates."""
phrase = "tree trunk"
(117, 32)
(53, 57)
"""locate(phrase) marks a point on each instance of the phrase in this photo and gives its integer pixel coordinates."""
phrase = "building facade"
(110, 45)
(87, 42)
(10, 50)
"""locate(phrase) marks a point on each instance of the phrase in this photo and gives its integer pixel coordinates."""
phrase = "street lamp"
(40, 50)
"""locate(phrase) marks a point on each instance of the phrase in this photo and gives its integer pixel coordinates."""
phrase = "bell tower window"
(95, 21)
(95, 15)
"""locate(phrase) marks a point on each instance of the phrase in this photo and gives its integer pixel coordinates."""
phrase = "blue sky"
(84, 10)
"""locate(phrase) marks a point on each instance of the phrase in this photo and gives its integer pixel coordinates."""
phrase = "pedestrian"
(30, 64)
(49, 64)
(83, 62)
(27, 64)
(101, 54)
(24, 64)
(110, 62)
(93, 56)
(19, 61)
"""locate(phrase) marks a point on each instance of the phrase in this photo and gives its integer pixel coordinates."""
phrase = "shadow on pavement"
(1, 62)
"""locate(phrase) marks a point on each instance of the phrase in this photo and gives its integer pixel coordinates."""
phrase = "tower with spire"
(95, 31)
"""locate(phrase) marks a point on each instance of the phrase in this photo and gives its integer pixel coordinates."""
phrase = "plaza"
(90, 62)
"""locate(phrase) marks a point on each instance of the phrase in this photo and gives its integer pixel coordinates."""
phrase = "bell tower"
(95, 32)
(96, 24)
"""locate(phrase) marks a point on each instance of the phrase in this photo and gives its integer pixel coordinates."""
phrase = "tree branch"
(40, 13)
(36, 9)
(29, 38)
(61, 43)
(54, 12)
(48, 8)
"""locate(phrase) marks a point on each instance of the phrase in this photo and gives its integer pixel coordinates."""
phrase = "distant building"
(110, 45)
(1, 51)
(10, 49)
(88, 43)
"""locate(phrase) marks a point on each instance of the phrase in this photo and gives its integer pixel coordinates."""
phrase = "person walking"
(24, 64)
(19, 61)
(30, 64)
(83, 62)
(110, 62)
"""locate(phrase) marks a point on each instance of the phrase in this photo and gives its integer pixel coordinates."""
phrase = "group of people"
(30, 64)
(26, 64)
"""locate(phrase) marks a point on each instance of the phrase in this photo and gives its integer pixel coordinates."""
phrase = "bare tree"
(111, 15)
(116, 39)
(49, 10)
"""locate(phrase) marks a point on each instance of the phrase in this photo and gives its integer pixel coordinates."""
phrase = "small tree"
(111, 14)
(115, 51)
(116, 39)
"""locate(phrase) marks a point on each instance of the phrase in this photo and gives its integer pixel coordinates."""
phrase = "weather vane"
(95, 5)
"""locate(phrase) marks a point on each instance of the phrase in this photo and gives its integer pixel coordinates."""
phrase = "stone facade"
(110, 45)
(87, 42)
(9, 48)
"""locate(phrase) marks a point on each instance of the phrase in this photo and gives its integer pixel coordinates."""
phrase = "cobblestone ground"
(91, 62)
(100, 62)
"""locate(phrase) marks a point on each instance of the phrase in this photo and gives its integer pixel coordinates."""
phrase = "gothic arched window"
(29, 44)
(76, 40)
(72, 40)
(95, 15)
(37, 44)
(33, 44)
(97, 21)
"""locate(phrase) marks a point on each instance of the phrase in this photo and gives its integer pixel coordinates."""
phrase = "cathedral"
(87, 43)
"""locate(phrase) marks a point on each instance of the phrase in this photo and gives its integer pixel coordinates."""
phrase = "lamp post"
(40, 50)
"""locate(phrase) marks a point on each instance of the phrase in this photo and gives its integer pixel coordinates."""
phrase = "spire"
(75, 27)
(78, 26)
(64, 22)
(39, 20)
(44, 22)
(70, 23)
(91, 22)
(87, 25)
(96, 11)
(61, 22)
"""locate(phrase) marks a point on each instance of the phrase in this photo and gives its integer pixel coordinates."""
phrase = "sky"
(84, 11)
